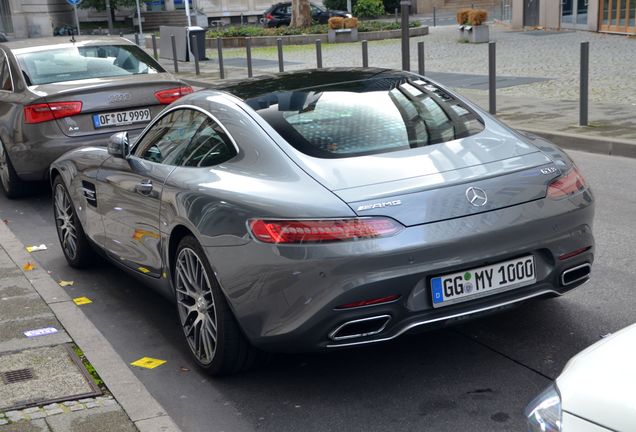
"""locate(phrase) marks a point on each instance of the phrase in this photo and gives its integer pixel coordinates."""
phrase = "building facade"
(610, 16)
(33, 18)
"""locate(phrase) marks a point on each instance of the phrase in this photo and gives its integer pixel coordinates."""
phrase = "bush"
(368, 8)
(350, 23)
(391, 5)
(336, 23)
(477, 17)
(462, 16)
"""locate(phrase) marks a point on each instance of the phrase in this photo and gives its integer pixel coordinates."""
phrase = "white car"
(596, 392)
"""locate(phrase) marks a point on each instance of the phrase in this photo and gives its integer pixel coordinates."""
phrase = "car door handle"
(144, 187)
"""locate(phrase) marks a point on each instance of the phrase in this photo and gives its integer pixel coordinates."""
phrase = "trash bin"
(183, 38)
(198, 33)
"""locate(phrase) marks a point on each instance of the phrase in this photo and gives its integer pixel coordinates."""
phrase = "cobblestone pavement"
(540, 54)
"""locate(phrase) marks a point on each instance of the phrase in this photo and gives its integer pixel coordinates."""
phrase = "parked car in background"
(324, 209)
(595, 391)
(280, 14)
(58, 94)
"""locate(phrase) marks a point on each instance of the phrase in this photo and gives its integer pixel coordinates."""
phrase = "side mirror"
(118, 145)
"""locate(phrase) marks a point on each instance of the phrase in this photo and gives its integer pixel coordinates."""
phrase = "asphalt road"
(477, 376)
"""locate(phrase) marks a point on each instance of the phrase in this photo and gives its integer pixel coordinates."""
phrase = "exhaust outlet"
(576, 274)
(360, 328)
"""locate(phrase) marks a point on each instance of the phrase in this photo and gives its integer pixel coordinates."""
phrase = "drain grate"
(17, 375)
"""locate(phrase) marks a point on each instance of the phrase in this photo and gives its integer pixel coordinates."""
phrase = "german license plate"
(482, 281)
(121, 118)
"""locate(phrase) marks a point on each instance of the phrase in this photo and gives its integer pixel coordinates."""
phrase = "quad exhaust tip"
(576, 274)
(360, 328)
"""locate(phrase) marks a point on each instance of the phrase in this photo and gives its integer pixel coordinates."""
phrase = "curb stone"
(136, 401)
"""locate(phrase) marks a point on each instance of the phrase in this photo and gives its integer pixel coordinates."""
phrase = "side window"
(5, 75)
(208, 147)
(170, 134)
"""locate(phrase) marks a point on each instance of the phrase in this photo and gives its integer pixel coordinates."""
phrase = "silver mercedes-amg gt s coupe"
(327, 208)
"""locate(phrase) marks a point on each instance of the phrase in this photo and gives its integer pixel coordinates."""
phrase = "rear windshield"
(83, 62)
(364, 118)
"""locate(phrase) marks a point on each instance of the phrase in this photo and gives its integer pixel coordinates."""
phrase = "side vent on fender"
(89, 193)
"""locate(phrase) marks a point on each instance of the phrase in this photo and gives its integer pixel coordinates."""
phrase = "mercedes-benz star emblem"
(476, 196)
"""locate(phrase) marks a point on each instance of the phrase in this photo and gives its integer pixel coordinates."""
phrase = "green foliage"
(255, 31)
(89, 368)
(368, 8)
(391, 5)
(100, 5)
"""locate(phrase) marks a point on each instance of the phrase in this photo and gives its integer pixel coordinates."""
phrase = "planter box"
(477, 34)
(342, 35)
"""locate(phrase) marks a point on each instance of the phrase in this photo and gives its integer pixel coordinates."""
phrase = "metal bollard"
(420, 58)
(585, 72)
(318, 54)
(434, 16)
(365, 54)
(195, 54)
(174, 53)
(219, 48)
(492, 78)
(121, 34)
(279, 44)
(396, 15)
(137, 39)
(472, 5)
(248, 49)
(406, 50)
(154, 47)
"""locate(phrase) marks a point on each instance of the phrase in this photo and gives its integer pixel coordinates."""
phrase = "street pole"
(109, 17)
(406, 50)
(187, 9)
(349, 6)
(76, 18)
(141, 32)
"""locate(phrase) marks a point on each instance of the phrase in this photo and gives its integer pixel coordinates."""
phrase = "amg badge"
(380, 205)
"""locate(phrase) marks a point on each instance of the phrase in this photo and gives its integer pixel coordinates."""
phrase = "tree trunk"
(301, 13)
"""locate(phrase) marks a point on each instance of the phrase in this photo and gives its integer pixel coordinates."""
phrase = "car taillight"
(168, 96)
(568, 184)
(323, 230)
(269, 17)
(38, 113)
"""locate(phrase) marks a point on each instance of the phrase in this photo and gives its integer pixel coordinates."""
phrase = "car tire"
(75, 245)
(10, 183)
(212, 334)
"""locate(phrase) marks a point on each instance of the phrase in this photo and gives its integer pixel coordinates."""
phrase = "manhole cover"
(17, 375)
(40, 376)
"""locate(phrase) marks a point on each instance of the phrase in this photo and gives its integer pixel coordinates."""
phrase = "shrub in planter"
(336, 23)
(368, 8)
(350, 23)
(477, 17)
(462, 16)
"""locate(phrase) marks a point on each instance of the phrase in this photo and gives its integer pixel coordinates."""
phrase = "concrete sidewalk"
(48, 347)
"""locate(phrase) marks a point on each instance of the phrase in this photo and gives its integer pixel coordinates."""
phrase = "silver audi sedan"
(324, 209)
(59, 93)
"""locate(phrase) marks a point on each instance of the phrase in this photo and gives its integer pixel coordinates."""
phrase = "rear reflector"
(568, 184)
(43, 112)
(369, 302)
(574, 253)
(323, 230)
(168, 96)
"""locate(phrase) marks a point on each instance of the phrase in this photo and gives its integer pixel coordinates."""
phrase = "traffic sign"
(73, 2)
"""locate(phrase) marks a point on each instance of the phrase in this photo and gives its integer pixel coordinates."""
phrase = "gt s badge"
(548, 170)
(380, 205)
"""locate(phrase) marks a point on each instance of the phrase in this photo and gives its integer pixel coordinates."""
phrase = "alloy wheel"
(197, 310)
(4, 168)
(65, 221)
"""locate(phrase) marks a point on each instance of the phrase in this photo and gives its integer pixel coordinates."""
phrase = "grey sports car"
(327, 208)
(58, 94)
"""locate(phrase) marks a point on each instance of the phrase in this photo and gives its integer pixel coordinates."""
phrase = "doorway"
(618, 16)
(530, 13)
(574, 13)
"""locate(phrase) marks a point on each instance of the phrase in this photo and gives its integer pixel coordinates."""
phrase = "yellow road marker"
(28, 267)
(36, 248)
(82, 301)
(148, 362)
(64, 283)
(143, 270)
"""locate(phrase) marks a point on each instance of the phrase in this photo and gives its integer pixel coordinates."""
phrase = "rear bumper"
(285, 298)
(32, 160)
